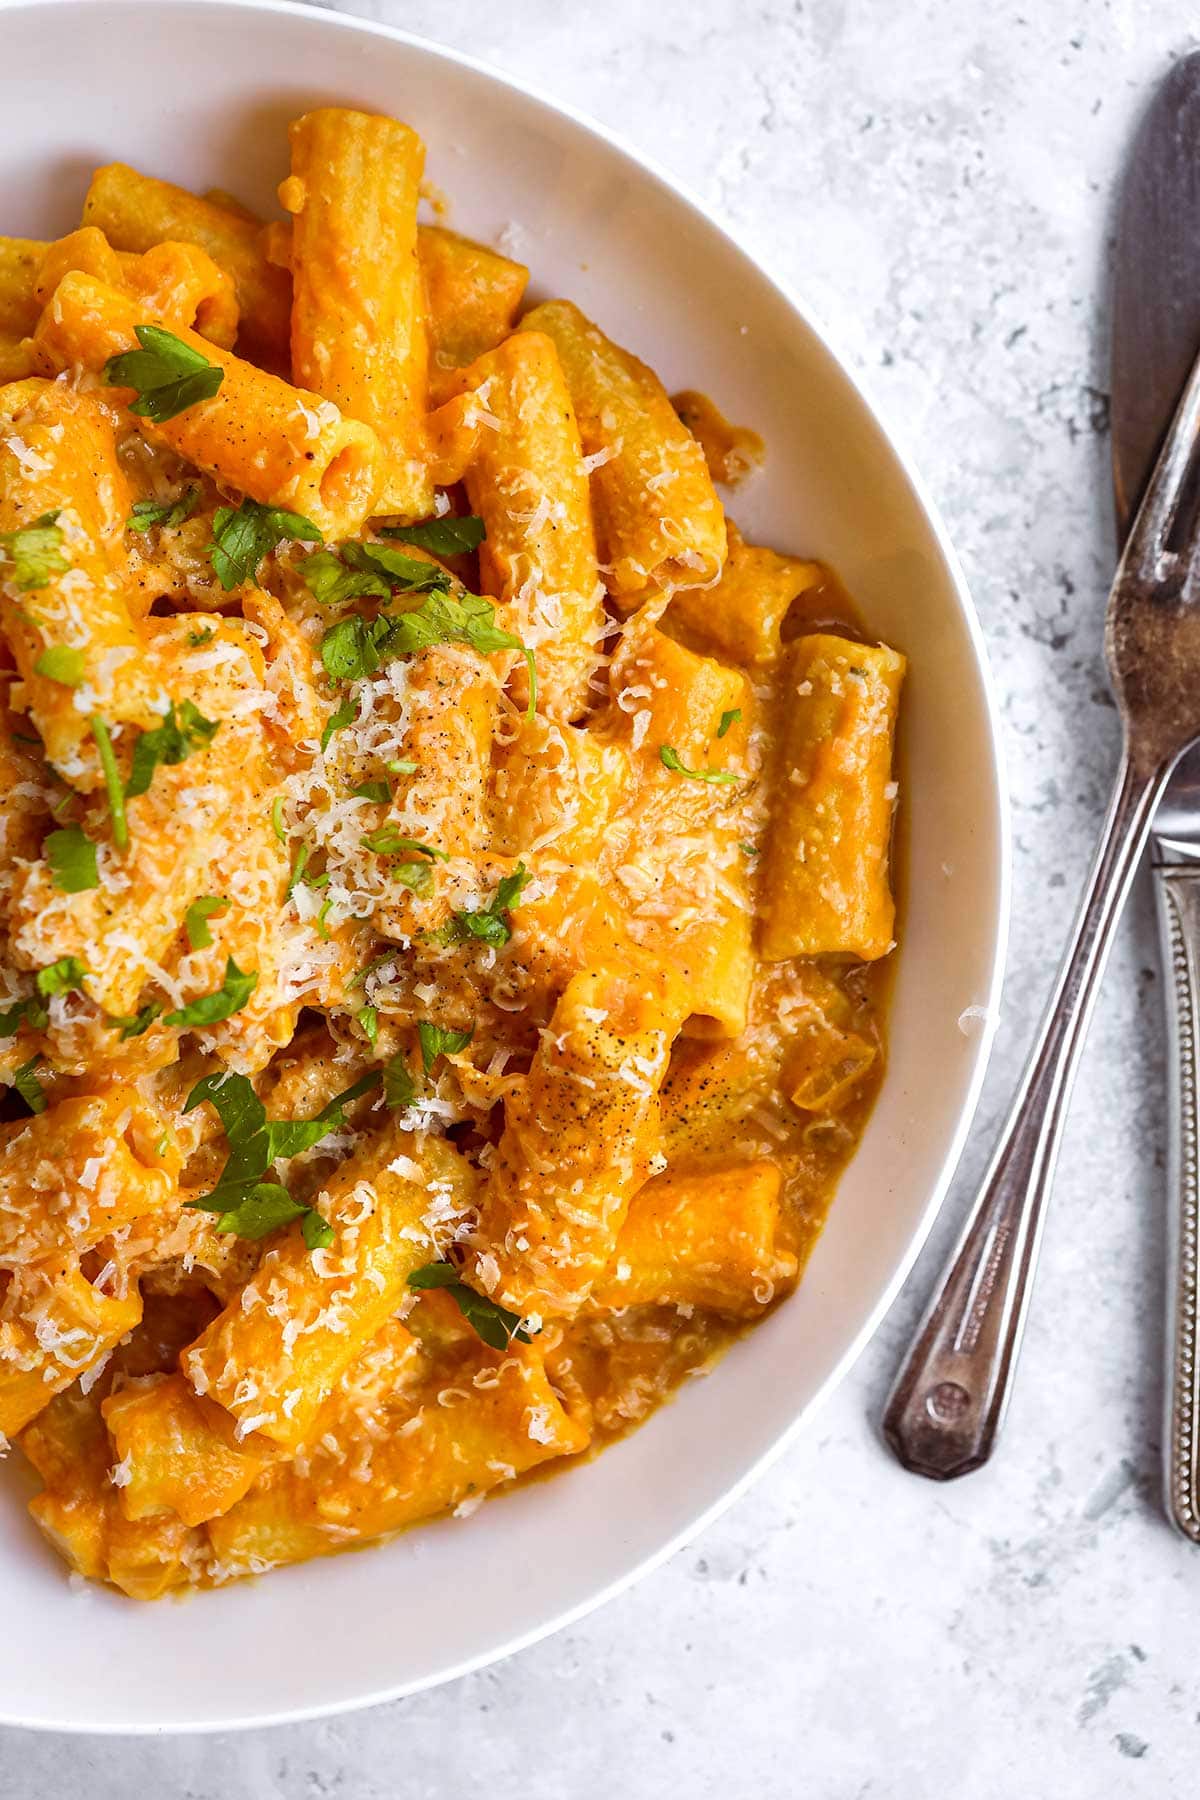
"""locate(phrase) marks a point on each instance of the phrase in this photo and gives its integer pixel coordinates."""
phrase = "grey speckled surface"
(935, 177)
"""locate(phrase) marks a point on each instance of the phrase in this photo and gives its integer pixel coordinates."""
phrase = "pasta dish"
(444, 879)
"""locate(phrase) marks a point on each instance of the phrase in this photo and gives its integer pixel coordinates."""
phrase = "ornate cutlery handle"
(1177, 894)
(946, 1408)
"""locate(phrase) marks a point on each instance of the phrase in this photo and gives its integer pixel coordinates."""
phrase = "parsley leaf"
(61, 663)
(248, 1205)
(399, 1088)
(397, 767)
(183, 731)
(167, 513)
(229, 998)
(333, 583)
(35, 552)
(368, 1020)
(489, 924)
(198, 638)
(387, 841)
(406, 574)
(195, 919)
(29, 1012)
(166, 374)
(242, 537)
(438, 1040)
(131, 1025)
(378, 791)
(669, 758)
(487, 1318)
(345, 715)
(354, 648)
(415, 875)
(112, 782)
(62, 977)
(727, 719)
(28, 1085)
(749, 849)
(72, 858)
(441, 537)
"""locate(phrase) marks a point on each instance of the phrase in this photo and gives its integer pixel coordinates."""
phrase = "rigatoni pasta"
(445, 881)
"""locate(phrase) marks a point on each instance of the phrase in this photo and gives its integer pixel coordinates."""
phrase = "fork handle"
(1177, 897)
(948, 1403)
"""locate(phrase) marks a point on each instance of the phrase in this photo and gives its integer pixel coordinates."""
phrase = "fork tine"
(1167, 526)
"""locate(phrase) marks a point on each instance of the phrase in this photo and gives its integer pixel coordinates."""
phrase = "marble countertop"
(937, 180)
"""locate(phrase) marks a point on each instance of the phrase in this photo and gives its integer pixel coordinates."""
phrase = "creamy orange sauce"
(732, 452)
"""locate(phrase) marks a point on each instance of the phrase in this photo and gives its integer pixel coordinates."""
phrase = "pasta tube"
(136, 212)
(826, 875)
(701, 1237)
(578, 1136)
(525, 478)
(658, 520)
(278, 444)
(358, 328)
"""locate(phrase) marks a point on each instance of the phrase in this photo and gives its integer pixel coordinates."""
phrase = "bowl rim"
(828, 340)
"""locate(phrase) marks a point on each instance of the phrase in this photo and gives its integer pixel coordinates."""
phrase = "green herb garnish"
(338, 720)
(28, 1085)
(439, 1040)
(131, 1025)
(490, 924)
(61, 663)
(246, 1204)
(112, 782)
(487, 1318)
(242, 536)
(35, 552)
(195, 919)
(71, 855)
(183, 731)
(66, 976)
(166, 374)
(441, 537)
(727, 719)
(379, 791)
(167, 513)
(669, 758)
(399, 1088)
(229, 998)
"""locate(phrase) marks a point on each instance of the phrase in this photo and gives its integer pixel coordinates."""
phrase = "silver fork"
(950, 1397)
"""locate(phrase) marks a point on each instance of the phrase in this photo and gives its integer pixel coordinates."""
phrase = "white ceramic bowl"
(201, 92)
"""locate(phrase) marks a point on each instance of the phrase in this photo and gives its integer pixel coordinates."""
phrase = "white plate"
(201, 92)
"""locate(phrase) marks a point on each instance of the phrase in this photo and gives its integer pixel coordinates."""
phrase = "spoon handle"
(948, 1402)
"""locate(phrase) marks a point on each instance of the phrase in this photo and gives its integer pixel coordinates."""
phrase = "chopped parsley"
(247, 1205)
(356, 647)
(441, 537)
(338, 720)
(487, 1318)
(396, 767)
(29, 1087)
(387, 841)
(29, 1011)
(197, 639)
(35, 552)
(66, 976)
(131, 1025)
(61, 663)
(168, 513)
(229, 998)
(112, 782)
(242, 536)
(277, 824)
(183, 731)
(195, 919)
(71, 855)
(418, 876)
(399, 1088)
(490, 924)
(368, 1022)
(727, 719)
(166, 375)
(749, 849)
(379, 791)
(439, 1040)
(333, 583)
(669, 758)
